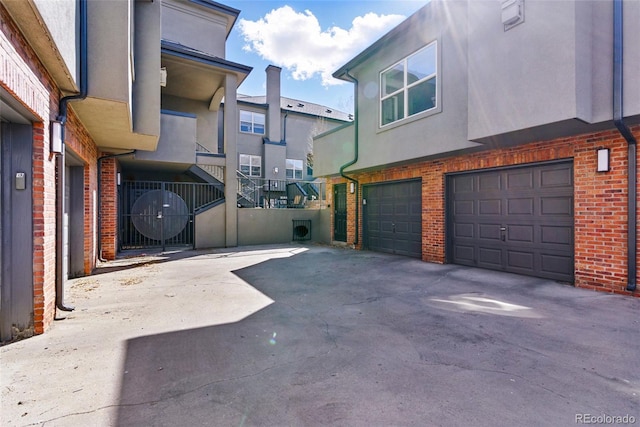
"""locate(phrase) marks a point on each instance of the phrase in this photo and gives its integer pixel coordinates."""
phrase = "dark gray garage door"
(518, 220)
(393, 218)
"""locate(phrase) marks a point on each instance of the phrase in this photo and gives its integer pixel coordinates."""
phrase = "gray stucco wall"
(195, 26)
(110, 76)
(440, 130)
(146, 90)
(210, 228)
(60, 18)
(264, 226)
(207, 120)
(177, 142)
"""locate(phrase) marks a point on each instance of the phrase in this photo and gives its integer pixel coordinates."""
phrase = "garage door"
(518, 220)
(392, 218)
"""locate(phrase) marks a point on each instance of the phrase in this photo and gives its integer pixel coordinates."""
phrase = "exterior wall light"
(55, 137)
(603, 160)
(352, 187)
(275, 170)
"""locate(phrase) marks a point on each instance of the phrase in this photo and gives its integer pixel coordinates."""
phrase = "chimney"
(273, 100)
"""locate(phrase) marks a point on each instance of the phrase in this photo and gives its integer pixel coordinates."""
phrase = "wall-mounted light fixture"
(352, 187)
(55, 140)
(275, 170)
(603, 160)
(118, 178)
(163, 76)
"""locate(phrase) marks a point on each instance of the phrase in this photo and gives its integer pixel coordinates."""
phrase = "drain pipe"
(618, 120)
(99, 207)
(355, 158)
(60, 158)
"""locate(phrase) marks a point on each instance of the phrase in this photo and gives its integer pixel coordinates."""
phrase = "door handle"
(503, 234)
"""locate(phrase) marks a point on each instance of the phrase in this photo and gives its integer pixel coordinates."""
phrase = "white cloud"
(295, 41)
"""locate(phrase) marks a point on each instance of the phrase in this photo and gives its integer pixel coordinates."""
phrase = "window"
(409, 86)
(251, 165)
(252, 122)
(294, 169)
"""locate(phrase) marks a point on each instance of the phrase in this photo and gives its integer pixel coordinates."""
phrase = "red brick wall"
(28, 82)
(109, 209)
(600, 200)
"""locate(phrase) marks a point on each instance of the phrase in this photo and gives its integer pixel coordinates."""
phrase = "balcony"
(333, 149)
(177, 144)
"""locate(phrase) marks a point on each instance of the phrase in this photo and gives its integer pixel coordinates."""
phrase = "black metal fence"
(161, 214)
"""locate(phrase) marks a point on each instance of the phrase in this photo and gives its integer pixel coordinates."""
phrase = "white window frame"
(406, 87)
(252, 162)
(294, 169)
(253, 122)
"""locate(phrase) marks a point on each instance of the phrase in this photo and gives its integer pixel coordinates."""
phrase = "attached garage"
(392, 217)
(518, 220)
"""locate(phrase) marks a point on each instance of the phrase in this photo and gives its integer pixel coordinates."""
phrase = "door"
(340, 212)
(518, 220)
(393, 218)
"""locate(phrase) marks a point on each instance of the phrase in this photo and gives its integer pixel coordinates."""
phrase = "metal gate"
(160, 214)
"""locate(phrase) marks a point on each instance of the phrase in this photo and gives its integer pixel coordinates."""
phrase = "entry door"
(518, 220)
(393, 218)
(340, 212)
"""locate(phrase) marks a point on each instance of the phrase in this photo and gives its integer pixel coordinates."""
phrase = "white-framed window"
(294, 169)
(252, 122)
(408, 87)
(251, 165)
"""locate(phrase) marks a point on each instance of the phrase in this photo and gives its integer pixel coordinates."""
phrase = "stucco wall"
(210, 228)
(263, 226)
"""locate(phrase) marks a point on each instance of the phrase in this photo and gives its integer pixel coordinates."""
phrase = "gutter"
(618, 120)
(99, 195)
(60, 160)
(355, 159)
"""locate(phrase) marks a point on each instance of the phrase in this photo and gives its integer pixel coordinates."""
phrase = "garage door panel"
(557, 264)
(520, 260)
(519, 180)
(490, 207)
(489, 257)
(562, 205)
(489, 232)
(523, 206)
(520, 233)
(557, 235)
(518, 220)
(559, 177)
(463, 207)
(489, 182)
(461, 230)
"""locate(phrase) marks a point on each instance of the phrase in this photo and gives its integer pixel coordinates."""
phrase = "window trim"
(253, 122)
(405, 89)
(252, 158)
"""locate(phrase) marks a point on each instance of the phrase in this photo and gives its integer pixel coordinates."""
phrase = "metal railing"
(280, 193)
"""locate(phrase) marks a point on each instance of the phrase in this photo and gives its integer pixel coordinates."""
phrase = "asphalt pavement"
(309, 335)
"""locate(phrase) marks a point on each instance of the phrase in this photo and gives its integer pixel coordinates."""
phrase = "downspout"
(99, 207)
(355, 157)
(618, 120)
(60, 158)
(284, 133)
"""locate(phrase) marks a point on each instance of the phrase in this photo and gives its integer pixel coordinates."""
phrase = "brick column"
(108, 209)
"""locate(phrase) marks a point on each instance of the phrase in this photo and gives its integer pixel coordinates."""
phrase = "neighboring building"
(492, 134)
(275, 140)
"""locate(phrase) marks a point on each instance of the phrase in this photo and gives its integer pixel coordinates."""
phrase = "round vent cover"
(149, 217)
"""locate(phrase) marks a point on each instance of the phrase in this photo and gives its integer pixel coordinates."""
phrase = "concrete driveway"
(295, 335)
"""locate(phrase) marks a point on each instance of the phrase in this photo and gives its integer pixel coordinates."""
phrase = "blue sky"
(309, 40)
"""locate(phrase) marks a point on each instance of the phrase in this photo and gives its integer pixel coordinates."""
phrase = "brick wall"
(600, 200)
(28, 82)
(109, 209)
